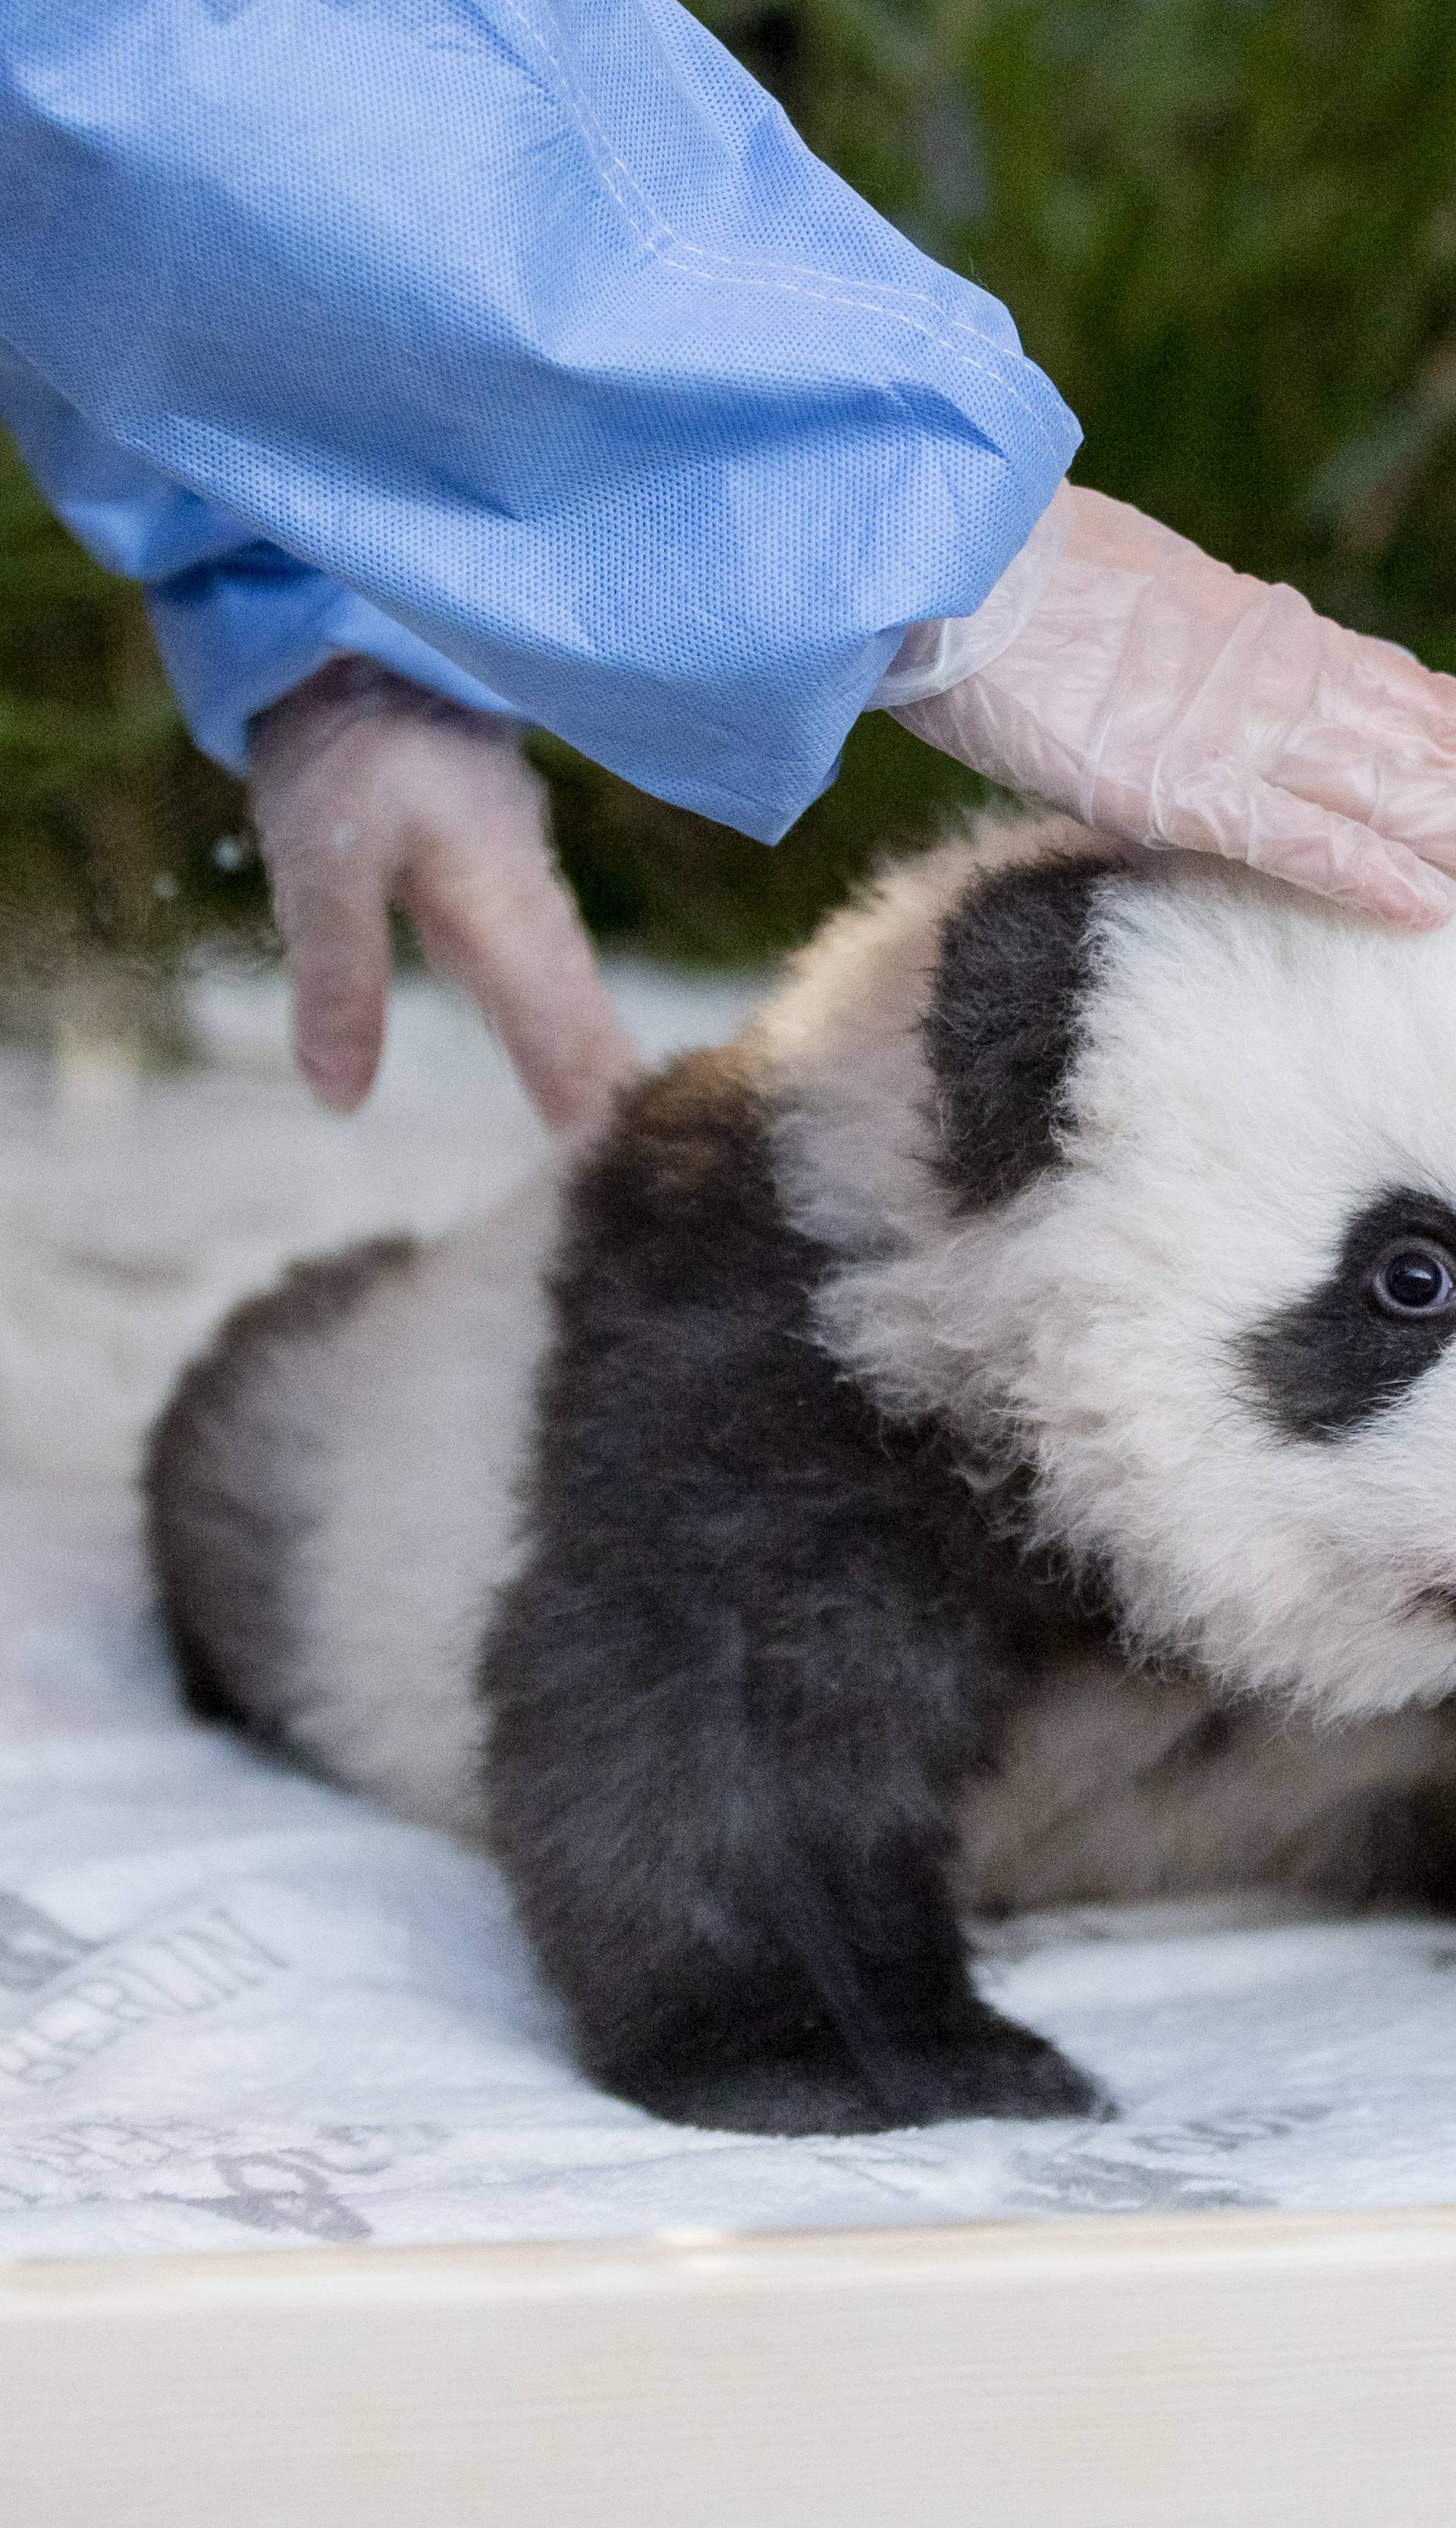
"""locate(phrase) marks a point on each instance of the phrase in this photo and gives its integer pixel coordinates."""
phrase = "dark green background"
(1226, 228)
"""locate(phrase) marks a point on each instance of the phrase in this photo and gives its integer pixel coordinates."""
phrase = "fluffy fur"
(331, 1505)
(971, 1461)
(1251, 1072)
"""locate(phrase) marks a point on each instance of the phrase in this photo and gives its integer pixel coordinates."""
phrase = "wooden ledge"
(1249, 2370)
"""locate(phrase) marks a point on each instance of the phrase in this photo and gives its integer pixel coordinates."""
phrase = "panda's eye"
(1417, 1279)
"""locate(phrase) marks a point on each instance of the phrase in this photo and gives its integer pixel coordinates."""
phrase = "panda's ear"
(1002, 1021)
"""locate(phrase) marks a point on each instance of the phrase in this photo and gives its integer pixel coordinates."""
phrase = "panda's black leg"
(743, 1906)
(852, 2012)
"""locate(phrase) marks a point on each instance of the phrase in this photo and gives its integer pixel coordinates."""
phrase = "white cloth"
(237, 2007)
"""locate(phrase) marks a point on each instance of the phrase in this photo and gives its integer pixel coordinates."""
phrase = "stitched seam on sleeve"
(655, 233)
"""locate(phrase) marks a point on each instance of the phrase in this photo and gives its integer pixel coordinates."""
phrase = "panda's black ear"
(1002, 1022)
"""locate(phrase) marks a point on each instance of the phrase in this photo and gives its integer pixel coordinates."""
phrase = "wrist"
(934, 657)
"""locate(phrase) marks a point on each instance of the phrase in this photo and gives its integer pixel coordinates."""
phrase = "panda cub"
(986, 1438)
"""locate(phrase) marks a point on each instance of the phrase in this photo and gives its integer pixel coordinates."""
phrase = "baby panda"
(986, 1438)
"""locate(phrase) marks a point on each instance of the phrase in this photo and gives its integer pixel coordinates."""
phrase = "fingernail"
(1420, 911)
(1437, 895)
(336, 1084)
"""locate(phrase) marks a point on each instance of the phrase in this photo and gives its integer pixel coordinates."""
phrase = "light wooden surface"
(1238, 2370)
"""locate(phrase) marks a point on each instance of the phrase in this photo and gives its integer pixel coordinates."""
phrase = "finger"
(1334, 856)
(1405, 789)
(330, 909)
(502, 921)
(1422, 698)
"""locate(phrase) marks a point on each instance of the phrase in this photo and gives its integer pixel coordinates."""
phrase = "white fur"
(842, 1040)
(1257, 1066)
(420, 1403)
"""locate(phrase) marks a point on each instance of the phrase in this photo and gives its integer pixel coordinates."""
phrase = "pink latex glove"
(1121, 674)
(366, 793)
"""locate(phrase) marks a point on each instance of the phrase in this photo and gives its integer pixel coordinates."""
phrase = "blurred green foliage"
(1226, 228)
(115, 836)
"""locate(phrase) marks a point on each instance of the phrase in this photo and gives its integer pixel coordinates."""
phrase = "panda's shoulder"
(681, 1190)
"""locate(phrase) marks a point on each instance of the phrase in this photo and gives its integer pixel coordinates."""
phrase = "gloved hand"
(367, 792)
(1121, 674)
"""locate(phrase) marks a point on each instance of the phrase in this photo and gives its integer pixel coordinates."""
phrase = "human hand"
(1158, 695)
(366, 793)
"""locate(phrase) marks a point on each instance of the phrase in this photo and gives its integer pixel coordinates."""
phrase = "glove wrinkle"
(1158, 695)
(368, 792)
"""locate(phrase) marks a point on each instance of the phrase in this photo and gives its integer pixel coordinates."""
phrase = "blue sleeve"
(237, 621)
(535, 323)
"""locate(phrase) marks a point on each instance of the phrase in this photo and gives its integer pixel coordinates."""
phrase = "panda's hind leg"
(232, 1481)
(331, 1504)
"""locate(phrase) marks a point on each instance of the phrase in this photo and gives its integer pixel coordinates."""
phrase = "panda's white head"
(1145, 1171)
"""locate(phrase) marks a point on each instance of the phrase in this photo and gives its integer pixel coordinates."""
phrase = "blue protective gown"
(518, 343)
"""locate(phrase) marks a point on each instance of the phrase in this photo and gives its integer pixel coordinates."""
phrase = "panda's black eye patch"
(1324, 1363)
(1415, 1279)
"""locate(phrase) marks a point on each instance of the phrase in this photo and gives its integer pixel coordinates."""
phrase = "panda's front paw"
(1011, 2071)
(1006, 2071)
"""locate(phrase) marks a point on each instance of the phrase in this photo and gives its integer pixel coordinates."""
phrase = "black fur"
(762, 1636)
(1323, 1364)
(1410, 1850)
(224, 1517)
(1002, 1025)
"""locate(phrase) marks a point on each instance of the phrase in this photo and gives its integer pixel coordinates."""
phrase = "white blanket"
(237, 2006)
